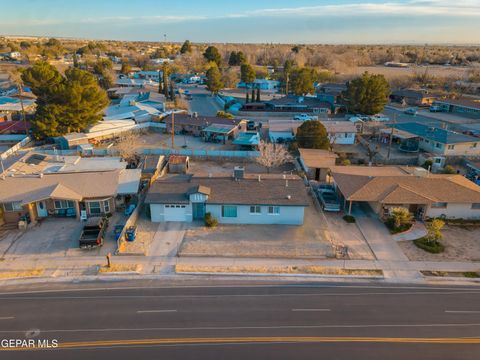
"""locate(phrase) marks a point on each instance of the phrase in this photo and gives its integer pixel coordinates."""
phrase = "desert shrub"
(349, 219)
(210, 221)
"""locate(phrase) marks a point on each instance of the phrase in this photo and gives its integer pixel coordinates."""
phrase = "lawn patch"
(434, 247)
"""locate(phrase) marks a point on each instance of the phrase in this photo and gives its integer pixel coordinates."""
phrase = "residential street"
(146, 319)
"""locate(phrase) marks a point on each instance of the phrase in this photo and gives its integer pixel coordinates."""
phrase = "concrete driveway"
(377, 235)
(167, 239)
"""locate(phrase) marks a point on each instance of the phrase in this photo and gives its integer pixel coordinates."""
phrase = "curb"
(373, 277)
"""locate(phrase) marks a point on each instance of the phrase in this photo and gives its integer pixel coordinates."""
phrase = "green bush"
(427, 165)
(449, 169)
(471, 274)
(431, 246)
(210, 221)
(349, 219)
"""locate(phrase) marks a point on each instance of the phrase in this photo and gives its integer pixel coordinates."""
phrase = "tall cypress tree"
(247, 100)
(253, 94)
(258, 95)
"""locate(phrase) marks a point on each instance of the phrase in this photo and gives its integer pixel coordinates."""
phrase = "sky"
(248, 21)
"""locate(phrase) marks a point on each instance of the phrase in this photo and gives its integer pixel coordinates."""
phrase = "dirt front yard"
(462, 243)
(275, 241)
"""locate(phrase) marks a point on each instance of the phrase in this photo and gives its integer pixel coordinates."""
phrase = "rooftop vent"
(238, 172)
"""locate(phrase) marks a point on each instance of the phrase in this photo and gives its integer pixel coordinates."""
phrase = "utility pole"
(391, 136)
(173, 130)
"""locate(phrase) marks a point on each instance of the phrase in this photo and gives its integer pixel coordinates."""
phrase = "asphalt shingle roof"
(435, 134)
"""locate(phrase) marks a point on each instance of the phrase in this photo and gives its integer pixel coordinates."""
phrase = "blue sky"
(297, 21)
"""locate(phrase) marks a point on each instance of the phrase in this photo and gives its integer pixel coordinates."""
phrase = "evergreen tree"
(160, 82)
(247, 99)
(166, 76)
(253, 95)
(214, 79)
(258, 95)
(186, 47)
(368, 94)
(126, 68)
(212, 55)
(312, 135)
(302, 81)
(64, 103)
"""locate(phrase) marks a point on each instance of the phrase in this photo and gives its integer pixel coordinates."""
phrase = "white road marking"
(463, 311)
(155, 311)
(306, 310)
(7, 317)
(332, 326)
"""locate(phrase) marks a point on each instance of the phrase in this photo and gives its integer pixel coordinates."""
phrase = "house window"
(439, 205)
(229, 211)
(94, 207)
(438, 145)
(64, 204)
(255, 209)
(273, 210)
(106, 206)
(476, 206)
(13, 206)
(451, 147)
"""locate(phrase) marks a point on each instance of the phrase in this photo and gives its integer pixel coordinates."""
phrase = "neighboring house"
(149, 75)
(280, 130)
(137, 83)
(12, 107)
(341, 132)
(412, 97)
(39, 186)
(130, 109)
(463, 106)
(152, 166)
(298, 104)
(262, 84)
(248, 139)
(241, 200)
(193, 124)
(14, 127)
(440, 141)
(425, 195)
(316, 163)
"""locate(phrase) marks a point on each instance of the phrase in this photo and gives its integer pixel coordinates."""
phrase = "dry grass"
(308, 269)
(119, 268)
(21, 274)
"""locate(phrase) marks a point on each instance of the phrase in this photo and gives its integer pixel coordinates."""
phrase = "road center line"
(306, 310)
(7, 318)
(463, 311)
(155, 311)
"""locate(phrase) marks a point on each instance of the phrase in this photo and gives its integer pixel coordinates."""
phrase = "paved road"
(202, 101)
(148, 321)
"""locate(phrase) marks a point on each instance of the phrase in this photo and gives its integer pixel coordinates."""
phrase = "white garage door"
(175, 212)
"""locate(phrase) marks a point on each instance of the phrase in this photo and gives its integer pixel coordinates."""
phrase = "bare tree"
(371, 153)
(128, 146)
(272, 155)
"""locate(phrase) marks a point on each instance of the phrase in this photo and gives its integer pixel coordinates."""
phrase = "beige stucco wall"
(454, 210)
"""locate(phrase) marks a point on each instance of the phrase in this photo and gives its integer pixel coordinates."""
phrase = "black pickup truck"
(93, 232)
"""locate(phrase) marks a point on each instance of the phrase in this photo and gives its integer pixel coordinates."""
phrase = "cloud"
(408, 8)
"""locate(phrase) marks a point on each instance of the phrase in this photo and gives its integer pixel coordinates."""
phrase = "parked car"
(329, 200)
(411, 111)
(305, 117)
(93, 232)
(435, 108)
(379, 117)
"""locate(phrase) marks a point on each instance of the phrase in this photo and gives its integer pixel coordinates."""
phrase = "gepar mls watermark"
(29, 343)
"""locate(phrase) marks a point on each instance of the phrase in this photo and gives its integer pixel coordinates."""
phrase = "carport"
(218, 132)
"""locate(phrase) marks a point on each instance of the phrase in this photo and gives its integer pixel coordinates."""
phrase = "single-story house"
(134, 107)
(298, 104)
(463, 106)
(262, 84)
(137, 83)
(316, 162)
(149, 75)
(425, 195)
(39, 186)
(280, 130)
(242, 200)
(193, 124)
(440, 141)
(413, 97)
(335, 89)
(341, 132)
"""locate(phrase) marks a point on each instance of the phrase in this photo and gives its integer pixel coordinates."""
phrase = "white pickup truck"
(305, 117)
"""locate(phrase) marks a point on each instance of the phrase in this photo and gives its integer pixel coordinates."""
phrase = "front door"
(198, 211)
(42, 209)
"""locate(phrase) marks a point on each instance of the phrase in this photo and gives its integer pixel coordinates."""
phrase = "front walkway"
(417, 231)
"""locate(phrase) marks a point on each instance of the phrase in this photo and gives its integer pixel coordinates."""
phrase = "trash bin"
(118, 230)
(131, 233)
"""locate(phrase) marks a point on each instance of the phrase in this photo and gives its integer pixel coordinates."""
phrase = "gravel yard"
(462, 243)
(276, 241)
